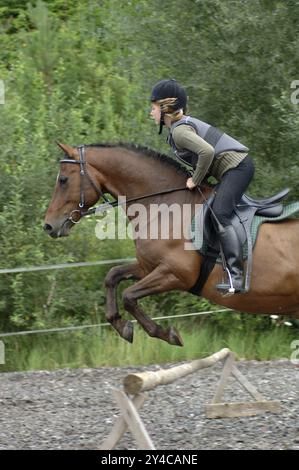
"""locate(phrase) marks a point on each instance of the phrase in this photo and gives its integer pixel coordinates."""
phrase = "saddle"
(241, 220)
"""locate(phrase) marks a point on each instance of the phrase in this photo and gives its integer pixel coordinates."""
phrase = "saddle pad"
(201, 245)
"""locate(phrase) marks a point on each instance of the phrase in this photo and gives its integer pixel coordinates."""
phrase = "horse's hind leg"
(159, 280)
(113, 278)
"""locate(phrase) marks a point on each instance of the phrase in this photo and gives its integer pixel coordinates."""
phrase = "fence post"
(2, 353)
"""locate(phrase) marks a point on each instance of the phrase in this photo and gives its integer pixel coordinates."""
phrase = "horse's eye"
(63, 179)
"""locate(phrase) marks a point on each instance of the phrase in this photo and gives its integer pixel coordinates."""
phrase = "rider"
(207, 150)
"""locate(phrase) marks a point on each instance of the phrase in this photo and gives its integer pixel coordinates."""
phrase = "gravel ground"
(74, 409)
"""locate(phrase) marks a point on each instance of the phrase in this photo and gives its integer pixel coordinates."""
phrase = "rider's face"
(156, 112)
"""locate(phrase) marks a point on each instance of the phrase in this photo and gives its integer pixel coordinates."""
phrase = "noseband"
(83, 175)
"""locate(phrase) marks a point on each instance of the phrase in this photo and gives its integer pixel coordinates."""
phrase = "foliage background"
(81, 72)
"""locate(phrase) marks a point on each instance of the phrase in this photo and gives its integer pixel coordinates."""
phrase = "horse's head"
(77, 188)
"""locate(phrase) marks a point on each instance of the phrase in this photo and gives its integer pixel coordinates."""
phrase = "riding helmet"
(170, 89)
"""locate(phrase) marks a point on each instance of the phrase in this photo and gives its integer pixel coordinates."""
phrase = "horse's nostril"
(48, 228)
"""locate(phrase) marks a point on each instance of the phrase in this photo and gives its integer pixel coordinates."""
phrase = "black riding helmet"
(169, 89)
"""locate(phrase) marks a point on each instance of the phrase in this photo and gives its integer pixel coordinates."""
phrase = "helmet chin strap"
(161, 123)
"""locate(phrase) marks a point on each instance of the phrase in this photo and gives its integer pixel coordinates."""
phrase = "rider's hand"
(190, 184)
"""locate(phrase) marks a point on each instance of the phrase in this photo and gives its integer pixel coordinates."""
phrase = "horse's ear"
(70, 151)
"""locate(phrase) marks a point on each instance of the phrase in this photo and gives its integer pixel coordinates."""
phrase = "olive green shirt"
(185, 138)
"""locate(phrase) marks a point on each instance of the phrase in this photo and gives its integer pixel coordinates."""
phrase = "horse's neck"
(130, 174)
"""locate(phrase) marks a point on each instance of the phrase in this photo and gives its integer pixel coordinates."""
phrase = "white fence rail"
(80, 265)
(30, 269)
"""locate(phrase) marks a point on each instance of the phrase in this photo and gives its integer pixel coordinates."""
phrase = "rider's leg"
(232, 186)
(232, 250)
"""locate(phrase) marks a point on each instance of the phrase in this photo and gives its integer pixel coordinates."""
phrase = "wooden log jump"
(137, 384)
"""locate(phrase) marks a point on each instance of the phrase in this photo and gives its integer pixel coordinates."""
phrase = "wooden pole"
(226, 371)
(235, 410)
(121, 425)
(133, 420)
(136, 383)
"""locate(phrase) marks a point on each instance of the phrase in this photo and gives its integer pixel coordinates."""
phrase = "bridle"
(83, 175)
(108, 204)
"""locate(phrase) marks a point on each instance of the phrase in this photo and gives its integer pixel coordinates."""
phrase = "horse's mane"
(166, 159)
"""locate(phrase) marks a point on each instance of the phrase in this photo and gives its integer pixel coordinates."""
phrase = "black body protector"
(220, 141)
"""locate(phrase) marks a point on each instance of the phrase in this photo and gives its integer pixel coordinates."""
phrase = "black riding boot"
(232, 250)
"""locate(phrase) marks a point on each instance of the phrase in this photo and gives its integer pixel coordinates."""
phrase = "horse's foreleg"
(113, 278)
(159, 280)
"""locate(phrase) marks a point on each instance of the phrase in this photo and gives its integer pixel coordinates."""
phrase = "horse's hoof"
(128, 331)
(174, 337)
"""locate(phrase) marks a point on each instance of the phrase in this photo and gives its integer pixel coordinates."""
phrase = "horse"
(163, 265)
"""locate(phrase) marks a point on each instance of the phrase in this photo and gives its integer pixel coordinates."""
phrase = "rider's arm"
(185, 138)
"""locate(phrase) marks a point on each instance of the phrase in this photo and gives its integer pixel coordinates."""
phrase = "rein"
(112, 204)
(108, 204)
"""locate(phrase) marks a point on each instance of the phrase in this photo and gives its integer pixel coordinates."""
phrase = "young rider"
(207, 150)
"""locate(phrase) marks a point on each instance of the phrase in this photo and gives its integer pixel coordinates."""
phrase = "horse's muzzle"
(62, 231)
(50, 231)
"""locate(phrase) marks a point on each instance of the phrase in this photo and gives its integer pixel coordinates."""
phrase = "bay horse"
(163, 265)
